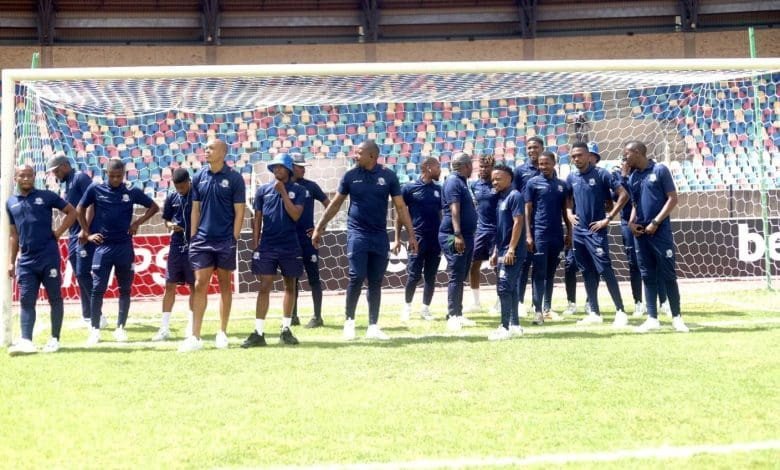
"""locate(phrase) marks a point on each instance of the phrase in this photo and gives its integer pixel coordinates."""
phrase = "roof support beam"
(689, 14)
(370, 20)
(47, 14)
(209, 10)
(527, 10)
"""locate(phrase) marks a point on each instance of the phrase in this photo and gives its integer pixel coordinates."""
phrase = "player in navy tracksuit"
(218, 204)
(423, 200)
(509, 251)
(112, 231)
(305, 227)
(533, 148)
(177, 212)
(485, 198)
(278, 205)
(34, 241)
(653, 197)
(545, 213)
(591, 188)
(368, 185)
(456, 236)
(79, 256)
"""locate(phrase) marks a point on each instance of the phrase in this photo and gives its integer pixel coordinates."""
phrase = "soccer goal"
(715, 123)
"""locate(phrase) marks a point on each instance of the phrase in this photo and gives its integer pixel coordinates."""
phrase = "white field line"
(657, 453)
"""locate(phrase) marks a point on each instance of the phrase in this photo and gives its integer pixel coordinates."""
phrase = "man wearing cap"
(30, 218)
(177, 212)
(653, 197)
(423, 199)
(304, 228)
(80, 256)
(278, 205)
(368, 185)
(533, 148)
(112, 230)
(591, 188)
(456, 236)
(218, 203)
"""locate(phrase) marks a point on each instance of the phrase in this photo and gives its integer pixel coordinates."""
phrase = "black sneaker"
(315, 322)
(295, 321)
(254, 341)
(287, 337)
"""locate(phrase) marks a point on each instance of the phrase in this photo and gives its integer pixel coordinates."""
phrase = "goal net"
(715, 123)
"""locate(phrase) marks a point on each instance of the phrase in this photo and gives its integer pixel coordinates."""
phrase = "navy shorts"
(178, 269)
(267, 261)
(220, 254)
(483, 245)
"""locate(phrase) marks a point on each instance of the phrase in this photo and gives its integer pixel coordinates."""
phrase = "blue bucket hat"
(283, 159)
(593, 148)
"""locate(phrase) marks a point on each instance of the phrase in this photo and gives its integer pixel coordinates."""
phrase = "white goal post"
(625, 82)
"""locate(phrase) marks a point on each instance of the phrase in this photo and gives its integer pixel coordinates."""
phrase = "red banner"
(151, 256)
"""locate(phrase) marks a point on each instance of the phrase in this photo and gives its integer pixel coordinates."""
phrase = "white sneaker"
(120, 335)
(651, 324)
(373, 332)
(666, 308)
(349, 330)
(52, 346)
(86, 322)
(103, 321)
(406, 312)
(621, 320)
(466, 321)
(522, 312)
(591, 319)
(454, 324)
(22, 347)
(94, 337)
(426, 314)
(639, 309)
(473, 308)
(538, 318)
(221, 341)
(190, 344)
(588, 309)
(515, 330)
(552, 315)
(571, 309)
(499, 334)
(679, 325)
(162, 334)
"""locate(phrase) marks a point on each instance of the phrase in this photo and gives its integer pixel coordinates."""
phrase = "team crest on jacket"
(225, 183)
(125, 198)
(380, 181)
(669, 253)
(436, 193)
(599, 251)
(38, 201)
(653, 178)
(53, 272)
(560, 188)
(291, 194)
(592, 182)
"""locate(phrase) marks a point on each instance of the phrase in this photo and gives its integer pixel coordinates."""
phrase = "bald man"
(30, 217)
(218, 204)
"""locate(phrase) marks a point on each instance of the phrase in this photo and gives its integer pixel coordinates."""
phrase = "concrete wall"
(640, 46)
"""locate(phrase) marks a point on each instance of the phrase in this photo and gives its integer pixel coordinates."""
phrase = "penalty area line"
(657, 453)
